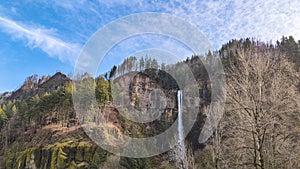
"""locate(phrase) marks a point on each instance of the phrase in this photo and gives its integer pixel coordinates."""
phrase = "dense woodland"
(260, 127)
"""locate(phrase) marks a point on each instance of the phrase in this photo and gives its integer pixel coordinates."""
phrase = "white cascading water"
(180, 129)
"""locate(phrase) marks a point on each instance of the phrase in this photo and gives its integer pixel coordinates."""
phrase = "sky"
(46, 36)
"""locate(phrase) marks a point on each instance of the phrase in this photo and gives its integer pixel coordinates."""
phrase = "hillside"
(259, 129)
(33, 86)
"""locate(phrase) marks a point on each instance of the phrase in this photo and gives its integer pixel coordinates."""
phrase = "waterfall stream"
(181, 145)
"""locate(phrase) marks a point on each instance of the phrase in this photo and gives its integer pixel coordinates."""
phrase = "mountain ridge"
(34, 85)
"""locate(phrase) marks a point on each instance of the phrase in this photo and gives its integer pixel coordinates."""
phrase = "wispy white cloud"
(41, 38)
(221, 21)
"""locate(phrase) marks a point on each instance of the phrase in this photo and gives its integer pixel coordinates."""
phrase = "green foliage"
(19, 160)
(102, 90)
(37, 108)
(137, 103)
(154, 64)
(115, 91)
(7, 110)
(3, 117)
(142, 63)
(148, 63)
(135, 163)
(291, 48)
(112, 72)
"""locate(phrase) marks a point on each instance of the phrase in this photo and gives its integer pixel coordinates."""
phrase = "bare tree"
(259, 128)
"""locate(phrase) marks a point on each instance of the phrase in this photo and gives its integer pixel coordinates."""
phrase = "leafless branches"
(260, 128)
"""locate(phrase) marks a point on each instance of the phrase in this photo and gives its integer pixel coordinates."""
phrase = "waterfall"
(181, 154)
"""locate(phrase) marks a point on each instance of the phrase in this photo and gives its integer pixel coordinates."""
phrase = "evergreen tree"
(142, 63)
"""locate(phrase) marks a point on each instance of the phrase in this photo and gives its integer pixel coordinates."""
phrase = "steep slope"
(33, 86)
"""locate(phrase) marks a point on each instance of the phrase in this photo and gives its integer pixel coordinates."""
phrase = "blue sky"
(45, 36)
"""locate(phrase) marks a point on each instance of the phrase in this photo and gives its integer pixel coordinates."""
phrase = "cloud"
(42, 39)
(219, 20)
(222, 21)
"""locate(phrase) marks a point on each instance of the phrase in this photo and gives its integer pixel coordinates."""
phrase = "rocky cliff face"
(53, 147)
(34, 86)
(146, 93)
(4, 96)
(53, 83)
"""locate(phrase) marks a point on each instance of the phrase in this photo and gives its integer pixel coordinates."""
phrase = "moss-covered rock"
(61, 155)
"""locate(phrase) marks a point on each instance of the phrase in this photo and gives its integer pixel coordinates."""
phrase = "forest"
(260, 127)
